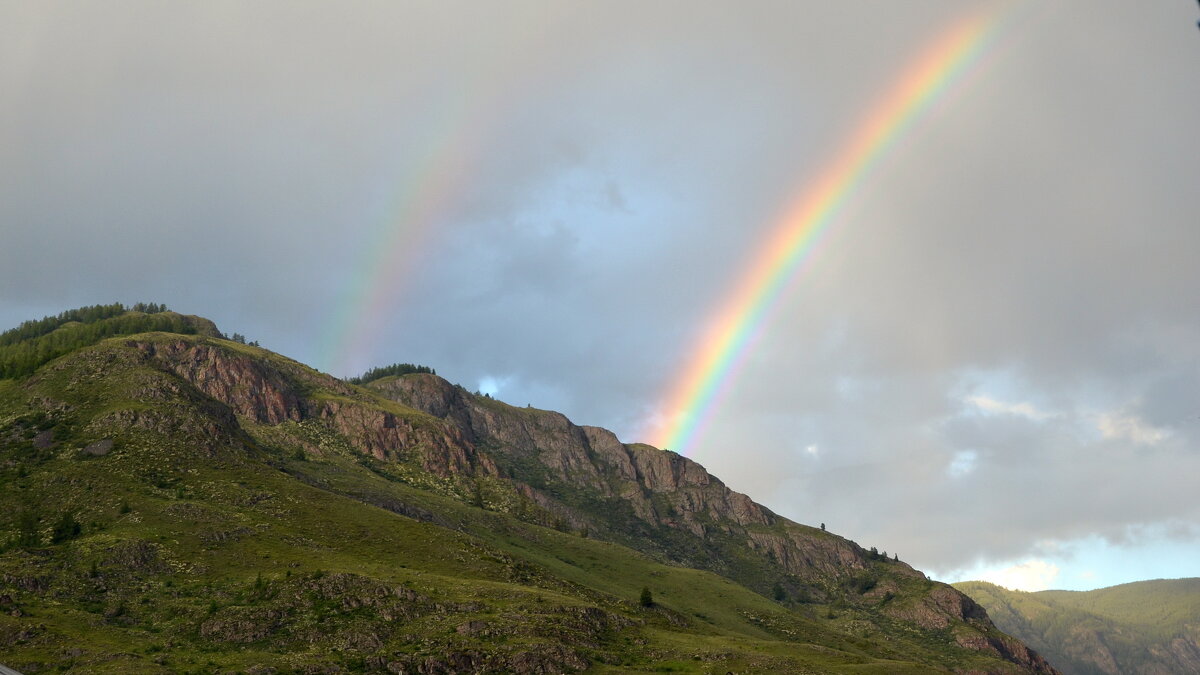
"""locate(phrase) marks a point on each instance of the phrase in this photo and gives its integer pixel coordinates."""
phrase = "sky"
(985, 359)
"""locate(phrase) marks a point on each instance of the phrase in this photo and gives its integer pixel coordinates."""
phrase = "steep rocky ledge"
(664, 490)
(271, 393)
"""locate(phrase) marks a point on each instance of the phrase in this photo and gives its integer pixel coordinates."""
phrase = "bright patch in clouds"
(491, 385)
(962, 464)
(1163, 551)
(1031, 575)
(990, 405)
(1129, 428)
(813, 451)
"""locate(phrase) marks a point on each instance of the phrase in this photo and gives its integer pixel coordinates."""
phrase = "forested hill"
(24, 348)
(1141, 627)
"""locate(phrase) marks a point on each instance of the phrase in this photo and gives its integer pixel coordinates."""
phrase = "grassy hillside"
(148, 527)
(1147, 626)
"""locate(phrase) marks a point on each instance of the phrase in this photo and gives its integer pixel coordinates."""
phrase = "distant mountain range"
(1149, 627)
(174, 501)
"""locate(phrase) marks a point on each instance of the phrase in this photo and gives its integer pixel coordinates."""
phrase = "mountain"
(173, 501)
(1149, 627)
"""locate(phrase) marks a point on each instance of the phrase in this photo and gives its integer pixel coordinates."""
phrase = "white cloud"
(993, 406)
(813, 451)
(1031, 575)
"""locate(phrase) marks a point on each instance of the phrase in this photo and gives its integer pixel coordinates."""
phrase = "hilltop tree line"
(388, 371)
(33, 343)
(241, 339)
(91, 314)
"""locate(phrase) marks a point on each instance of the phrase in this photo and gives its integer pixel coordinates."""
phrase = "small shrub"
(66, 528)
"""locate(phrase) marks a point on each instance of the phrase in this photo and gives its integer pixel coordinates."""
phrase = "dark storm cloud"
(995, 347)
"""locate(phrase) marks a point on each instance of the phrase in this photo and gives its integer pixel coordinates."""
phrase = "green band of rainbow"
(692, 399)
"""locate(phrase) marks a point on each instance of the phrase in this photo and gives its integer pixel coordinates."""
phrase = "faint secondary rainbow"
(694, 395)
(423, 198)
(411, 212)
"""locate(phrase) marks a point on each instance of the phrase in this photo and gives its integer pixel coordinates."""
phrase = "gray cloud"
(562, 195)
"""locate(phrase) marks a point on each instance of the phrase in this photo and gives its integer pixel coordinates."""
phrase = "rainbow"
(423, 197)
(421, 200)
(696, 392)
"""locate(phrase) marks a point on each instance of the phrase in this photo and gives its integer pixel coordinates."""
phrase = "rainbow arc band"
(696, 393)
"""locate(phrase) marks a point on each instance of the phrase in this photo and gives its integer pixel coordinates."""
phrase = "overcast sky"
(990, 366)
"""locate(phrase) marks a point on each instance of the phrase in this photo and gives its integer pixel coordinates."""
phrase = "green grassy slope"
(1146, 626)
(146, 527)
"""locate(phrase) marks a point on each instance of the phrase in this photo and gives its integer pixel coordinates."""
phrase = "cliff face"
(665, 491)
(272, 392)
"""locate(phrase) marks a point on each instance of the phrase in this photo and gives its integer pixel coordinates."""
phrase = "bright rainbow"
(696, 392)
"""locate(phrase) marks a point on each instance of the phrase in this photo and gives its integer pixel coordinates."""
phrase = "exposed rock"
(550, 660)
(442, 449)
(471, 628)
(99, 448)
(136, 555)
(243, 383)
(223, 536)
(241, 624)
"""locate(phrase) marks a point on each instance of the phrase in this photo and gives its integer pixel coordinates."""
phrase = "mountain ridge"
(164, 426)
